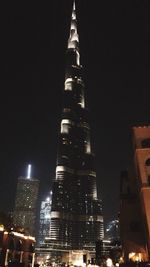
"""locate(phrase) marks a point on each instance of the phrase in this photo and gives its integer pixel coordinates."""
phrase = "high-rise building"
(25, 202)
(45, 219)
(76, 215)
(135, 200)
(112, 230)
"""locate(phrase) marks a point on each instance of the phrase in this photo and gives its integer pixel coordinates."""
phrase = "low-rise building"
(135, 200)
(16, 248)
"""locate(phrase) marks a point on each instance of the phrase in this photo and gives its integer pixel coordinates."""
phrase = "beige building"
(135, 200)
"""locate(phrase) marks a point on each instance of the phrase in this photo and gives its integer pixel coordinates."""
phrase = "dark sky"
(115, 50)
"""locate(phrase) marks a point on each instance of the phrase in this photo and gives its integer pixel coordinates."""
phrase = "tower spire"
(29, 171)
(73, 41)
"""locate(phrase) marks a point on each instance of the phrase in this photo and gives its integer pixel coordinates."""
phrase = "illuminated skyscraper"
(112, 230)
(76, 216)
(25, 202)
(45, 219)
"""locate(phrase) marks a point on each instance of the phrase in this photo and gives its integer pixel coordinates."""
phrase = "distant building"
(108, 249)
(44, 225)
(112, 230)
(135, 200)
(25, 202)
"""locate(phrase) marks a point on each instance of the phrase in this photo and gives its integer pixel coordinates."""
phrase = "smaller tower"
(25, 202)
(112, 230)
(45, 219)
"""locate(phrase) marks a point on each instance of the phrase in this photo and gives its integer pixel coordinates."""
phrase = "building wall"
(16, 249)
(142, 164)
(135, 199)
(131, 225)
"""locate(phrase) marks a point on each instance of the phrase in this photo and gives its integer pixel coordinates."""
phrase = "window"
(145, 143)
(148, 180)
(147, 162)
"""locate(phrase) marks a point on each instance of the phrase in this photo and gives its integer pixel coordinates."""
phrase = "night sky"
(115, 53)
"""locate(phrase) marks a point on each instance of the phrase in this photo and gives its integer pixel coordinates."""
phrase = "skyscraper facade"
(25, 202)
(76, 215)
(45, 219)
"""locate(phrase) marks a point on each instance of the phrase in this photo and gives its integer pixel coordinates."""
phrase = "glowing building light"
(47, 216)
(109, 262)
(1, 228)
(5, 233)
(135, 257)
(74, 7)
(66, 125)
(17, 234)
(29, 172)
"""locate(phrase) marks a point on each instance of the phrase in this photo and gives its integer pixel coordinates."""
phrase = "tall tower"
(25, 202)
(76, 214)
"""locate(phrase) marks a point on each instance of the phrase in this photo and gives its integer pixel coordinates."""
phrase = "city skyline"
(115, 54)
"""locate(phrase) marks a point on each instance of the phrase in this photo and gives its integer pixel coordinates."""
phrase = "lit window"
(65, 142)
